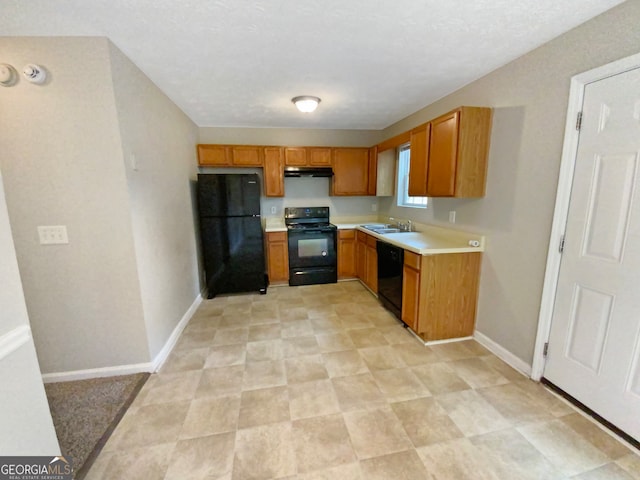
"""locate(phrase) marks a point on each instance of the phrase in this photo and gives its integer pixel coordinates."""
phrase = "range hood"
(308, 172)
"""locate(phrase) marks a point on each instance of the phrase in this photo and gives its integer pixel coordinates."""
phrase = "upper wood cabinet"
(273, 171)
(350, 172)
(319, 156)
(295, 156)
(230, 155)
(458, 151)
(419, 160)
(448, 154)
(214, 155)
(246, 156)
(307, 156)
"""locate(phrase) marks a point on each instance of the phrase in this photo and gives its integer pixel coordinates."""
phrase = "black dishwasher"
(390, 262)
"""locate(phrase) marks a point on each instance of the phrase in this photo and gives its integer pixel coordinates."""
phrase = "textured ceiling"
(373, 62)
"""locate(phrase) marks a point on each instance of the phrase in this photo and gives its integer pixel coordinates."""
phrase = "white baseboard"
(97, 372)
(162, 356)
(13, 340)
(149, 367)
(502, 353)
(448, 340)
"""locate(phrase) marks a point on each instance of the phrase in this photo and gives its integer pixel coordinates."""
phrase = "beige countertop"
(432, 240)
(427, 240)
(274, 224)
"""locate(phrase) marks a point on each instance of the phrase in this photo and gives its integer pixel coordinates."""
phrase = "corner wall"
(158, 147)
(529, 97)
(62, 165)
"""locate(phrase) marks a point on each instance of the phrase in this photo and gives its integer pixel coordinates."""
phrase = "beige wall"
(289, 136)
(25, 421)
(158, 140)
(62, 165)
(530, 97)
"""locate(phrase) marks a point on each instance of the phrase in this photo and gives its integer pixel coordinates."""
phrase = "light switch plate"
(452, 216)
(53, 234)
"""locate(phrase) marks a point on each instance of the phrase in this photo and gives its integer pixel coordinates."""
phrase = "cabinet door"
(246, 156)
(319, 156)
(277, 257)
(350, 171)
(474, 137)
(346, 253)
(273, 172)
(419, 161)
(295, 156)
(443, 155)
(361, 253)
(371, 274)
(451, 297)
(213, 155)
(410, 296)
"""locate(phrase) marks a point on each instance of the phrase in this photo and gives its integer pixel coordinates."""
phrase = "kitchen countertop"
(432, 240)
(274, 224)
(427, 240)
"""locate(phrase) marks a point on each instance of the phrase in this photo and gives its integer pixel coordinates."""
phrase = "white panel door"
(594, 345)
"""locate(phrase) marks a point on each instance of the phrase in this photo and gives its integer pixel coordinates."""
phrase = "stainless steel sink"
(382, 228)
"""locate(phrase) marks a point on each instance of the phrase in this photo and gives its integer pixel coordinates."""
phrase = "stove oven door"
(312, 257)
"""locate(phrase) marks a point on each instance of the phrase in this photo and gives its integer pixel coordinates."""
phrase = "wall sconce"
(34, 73)
(306, 103)
(8, 75)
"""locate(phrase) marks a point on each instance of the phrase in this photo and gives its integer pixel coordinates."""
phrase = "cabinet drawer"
(361, 236)
(412, 260)
(277, 236)
(346, 234)
(371, 241)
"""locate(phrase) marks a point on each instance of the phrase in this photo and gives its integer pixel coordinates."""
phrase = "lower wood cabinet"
(346, 254)
(367, 260)
(277, 257)
(440, 293)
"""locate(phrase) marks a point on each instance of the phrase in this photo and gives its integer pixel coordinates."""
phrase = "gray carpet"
(85, 412)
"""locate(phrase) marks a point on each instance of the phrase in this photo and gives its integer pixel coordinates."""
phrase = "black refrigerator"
(231, 233)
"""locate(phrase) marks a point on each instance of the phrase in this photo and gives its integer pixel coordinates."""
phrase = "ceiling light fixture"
(306, 103)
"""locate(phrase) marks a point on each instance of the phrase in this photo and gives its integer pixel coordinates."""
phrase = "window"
(404, 200)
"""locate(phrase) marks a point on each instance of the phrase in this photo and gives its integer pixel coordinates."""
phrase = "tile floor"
(321, 382)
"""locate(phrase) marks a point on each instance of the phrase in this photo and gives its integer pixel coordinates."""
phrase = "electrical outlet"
(374, 207)
(274, 210)
(53, 234)
(452, 216)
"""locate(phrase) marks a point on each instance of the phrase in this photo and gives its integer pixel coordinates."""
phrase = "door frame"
(563, 196)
